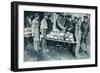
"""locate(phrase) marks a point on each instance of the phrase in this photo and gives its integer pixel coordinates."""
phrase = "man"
(49, 24)
(71, 27)
(44, 25)
(78, 37)
(76, 19)
(84, 29)
(44, 28)
(27, 21)
(35, 32)
(68, 23)
(27, 30)
(60, 22)
(85, 32)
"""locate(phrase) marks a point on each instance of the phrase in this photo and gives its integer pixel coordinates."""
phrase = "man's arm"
(82, 26)
(59, 25)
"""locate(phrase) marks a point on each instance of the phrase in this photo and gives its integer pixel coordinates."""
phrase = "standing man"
(68, 23)
(35, 32)
(78, 37)
(75, 21)
(85, 32)
(44, 25)
(71, 27)
(27, 21)
(71, 24)
(49, 24)
(60, 22)
(43, 28)
(27, 29)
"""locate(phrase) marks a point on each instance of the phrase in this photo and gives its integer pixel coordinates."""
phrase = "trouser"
(44, 32)
(36, 45)
(83, 39)
(44, 44)
(27, 41)
(77, 48)
(84, 44)
(74, 36)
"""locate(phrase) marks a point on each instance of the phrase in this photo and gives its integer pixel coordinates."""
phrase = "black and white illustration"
(53, 36)
(56, 36)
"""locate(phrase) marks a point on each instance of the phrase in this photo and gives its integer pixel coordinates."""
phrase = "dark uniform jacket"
(84, 28)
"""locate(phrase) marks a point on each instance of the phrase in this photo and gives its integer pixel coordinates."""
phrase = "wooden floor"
(51, 54)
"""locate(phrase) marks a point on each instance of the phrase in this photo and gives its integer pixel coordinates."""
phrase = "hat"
(60, 14)
(45, 14)
(69, 16)
(86, 17)
(76, 17)
(36, 15)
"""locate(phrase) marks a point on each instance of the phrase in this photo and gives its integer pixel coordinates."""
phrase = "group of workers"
(78, 26)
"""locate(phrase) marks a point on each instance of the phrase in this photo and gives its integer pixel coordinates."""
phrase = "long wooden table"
(45, 40)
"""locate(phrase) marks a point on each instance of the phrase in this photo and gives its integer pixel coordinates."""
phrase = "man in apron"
(35, 32)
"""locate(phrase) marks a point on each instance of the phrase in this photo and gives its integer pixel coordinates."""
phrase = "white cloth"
(27, 32)
(35, 29)
(44, 24)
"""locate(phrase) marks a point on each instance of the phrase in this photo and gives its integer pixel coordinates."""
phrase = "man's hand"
(33, 34)
(64, 30)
